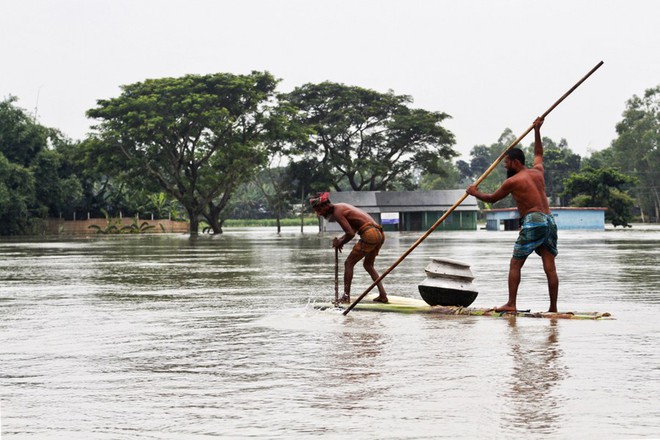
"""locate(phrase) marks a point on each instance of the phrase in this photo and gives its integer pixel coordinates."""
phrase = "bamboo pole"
(464, 196)
(336, 276)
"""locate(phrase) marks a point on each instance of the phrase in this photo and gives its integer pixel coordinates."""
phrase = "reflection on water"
(355, 363)
(537, 369)
(161, 337)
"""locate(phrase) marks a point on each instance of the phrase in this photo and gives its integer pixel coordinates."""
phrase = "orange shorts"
(371, 239)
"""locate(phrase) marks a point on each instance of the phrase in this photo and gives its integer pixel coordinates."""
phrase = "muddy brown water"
(161, 337)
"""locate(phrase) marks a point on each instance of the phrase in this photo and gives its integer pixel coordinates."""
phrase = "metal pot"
(448, 283)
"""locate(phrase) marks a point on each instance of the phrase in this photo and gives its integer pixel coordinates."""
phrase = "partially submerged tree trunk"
(212, 215)
(194, 223)
(215, 224)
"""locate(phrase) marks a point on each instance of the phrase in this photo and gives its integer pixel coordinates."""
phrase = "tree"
(275, 181)
(275, 188)
(599, 159)
(56, 190)
(111, 185)
(465, 171)
(367, 140)
(160, 206)
(309, 176)
(35, 177)
(558, 160)
(198, 136)
(602, 187)
(17, 198)
(21, 138)
(445, 176)
(482, 157)
(637, 148)
(248, 203)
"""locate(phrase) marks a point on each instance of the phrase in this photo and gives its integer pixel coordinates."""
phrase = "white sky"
(490, 64)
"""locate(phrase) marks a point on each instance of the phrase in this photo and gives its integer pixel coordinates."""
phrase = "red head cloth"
(320, 200)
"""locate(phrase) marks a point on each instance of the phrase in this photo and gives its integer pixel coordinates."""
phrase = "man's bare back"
(344, 213)
(528, 190)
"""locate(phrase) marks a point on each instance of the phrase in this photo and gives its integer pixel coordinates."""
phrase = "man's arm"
(499, 194)
(349, 233)
(538, 145)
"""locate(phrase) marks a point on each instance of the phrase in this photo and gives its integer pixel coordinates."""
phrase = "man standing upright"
(538, 229)
(353, 221)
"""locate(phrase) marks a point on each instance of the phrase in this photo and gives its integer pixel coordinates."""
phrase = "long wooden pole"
(336, 276)
(464, 196)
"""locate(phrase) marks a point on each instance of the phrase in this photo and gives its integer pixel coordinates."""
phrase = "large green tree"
(602, 187)
(17, 198)
(637, 148)
(198, 136)
(111, 185)
(599, 159)
(366, 140)
(445, 176)
(21, 138)
(57, 189)
(36, 179)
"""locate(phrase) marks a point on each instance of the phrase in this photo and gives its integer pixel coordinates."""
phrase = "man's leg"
(349, 264)
(551, 273)
(369, 261)
(515, 267)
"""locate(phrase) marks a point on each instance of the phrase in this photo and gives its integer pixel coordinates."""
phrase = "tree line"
(212, 147)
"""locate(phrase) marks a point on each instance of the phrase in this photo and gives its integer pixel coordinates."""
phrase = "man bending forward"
(354, 221)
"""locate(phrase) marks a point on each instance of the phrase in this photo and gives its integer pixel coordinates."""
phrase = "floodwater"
(161, 337)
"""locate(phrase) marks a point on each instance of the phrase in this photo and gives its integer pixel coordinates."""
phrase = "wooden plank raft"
(400, 304)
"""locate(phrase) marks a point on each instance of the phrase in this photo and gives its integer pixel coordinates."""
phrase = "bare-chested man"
(354, 221)
(538, 229)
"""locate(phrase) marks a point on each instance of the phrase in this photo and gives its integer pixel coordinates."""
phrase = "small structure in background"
(410, 210)
(507, 219)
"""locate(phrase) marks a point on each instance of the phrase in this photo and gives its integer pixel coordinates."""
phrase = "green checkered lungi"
(538, 229)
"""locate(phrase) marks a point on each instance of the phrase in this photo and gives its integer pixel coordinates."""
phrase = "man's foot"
(506, 308)
(381, 299)
(345, 299)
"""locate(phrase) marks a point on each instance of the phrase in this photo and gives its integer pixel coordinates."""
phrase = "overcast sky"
(489, 64)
